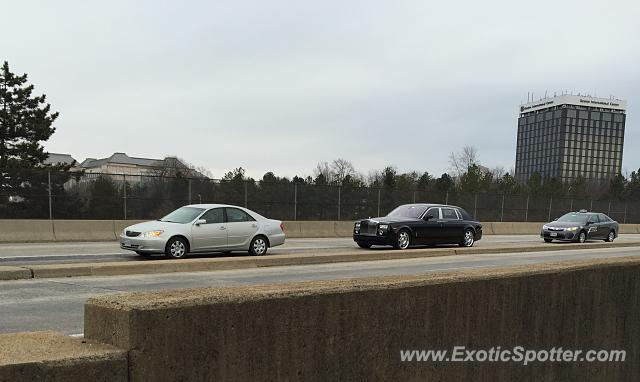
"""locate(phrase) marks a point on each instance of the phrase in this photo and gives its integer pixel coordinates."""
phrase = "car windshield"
(408, 211)
(573, 218)
(183, 215)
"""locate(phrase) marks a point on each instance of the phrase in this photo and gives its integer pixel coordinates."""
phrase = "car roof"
(204, 205)
(430, 205)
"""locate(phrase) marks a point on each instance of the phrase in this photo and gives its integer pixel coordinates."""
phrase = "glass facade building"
(568, 136)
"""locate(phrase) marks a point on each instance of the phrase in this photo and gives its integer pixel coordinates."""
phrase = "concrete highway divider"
(356, 329)
(152, 266)
(51, 356)
(17, 230)
(107, 230)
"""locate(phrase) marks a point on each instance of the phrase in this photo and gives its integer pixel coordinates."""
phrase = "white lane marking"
(79, 335)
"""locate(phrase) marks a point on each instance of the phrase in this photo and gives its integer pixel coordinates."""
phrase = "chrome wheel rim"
(583, 237)
(177, 249)
(611, 236)
(468, 239)
(259, 246)
(403, 240)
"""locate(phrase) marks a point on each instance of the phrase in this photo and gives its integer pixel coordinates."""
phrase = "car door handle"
(223, 228)
(254, 226)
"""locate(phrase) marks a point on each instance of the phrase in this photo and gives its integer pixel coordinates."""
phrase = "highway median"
(153, 266)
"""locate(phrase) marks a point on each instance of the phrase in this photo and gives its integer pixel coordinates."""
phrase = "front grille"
(556, 229)
(132, 233)
(368, 228)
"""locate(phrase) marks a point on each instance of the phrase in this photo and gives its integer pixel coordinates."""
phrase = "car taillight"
(282, 227)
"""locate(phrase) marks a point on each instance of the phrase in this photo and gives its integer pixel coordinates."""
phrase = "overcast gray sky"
(281, 85)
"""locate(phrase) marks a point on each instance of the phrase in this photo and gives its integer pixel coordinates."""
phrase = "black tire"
(177, 248)
(582, 237)
(403, 239)
(363, 245)
(259, 246)
(468, 239)
(547, 240)
(143, 254)
(611, 236)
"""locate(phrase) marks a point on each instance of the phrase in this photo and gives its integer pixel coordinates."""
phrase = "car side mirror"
(428, 217)
(589, 223)
(201, 221)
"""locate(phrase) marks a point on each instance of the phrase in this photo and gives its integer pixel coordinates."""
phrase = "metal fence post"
(526, 211)
(414, 196)
(338, 202)
(295, 201)
(246, 196)
(609, 210)
(624, 219)
(446, 198)
(571, 208)
(189, 198)
(591, 207)
(124, 194)
(49, 190)
(378, 202)
(550, 202)
(502, 209)
(475, 206)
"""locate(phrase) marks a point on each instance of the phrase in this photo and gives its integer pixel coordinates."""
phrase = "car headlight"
(152, 233)
(572, 229)
(545, 227)
(383, 226)
(357, 225)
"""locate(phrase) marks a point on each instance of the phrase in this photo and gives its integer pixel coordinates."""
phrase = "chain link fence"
(47, 194)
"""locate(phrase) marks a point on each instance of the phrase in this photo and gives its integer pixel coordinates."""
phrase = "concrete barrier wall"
(107, 230)
(355, 329)
(53, 357)
(15, 230)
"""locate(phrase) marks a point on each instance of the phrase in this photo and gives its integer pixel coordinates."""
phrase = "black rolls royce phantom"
(419, 224)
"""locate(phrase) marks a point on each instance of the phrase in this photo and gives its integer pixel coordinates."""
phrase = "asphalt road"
(57, 304)
(47, 253)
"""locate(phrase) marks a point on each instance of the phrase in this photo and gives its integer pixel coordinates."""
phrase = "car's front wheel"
(258, 246)
(363, 245)
(582, 237)
(468, 239)
(176, 248)
(403, 239)
(611, 236)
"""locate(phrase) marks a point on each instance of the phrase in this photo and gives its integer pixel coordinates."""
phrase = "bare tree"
(460, 162)
(341, 168)
(324, 169)
(497, 172)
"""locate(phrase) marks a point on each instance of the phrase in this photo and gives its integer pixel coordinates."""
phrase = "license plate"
(554, 234)
(127, 243)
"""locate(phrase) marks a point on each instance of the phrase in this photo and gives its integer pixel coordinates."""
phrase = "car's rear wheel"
(403, 239)
(582, 237)
(468, 239)
(176, 248)
(611, 236)
(258, 246)
(548, 240)
(363, 245)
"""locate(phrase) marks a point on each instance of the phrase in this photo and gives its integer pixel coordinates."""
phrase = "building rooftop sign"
(604, 103)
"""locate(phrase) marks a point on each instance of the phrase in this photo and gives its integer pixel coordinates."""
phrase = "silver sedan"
(204, 228)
